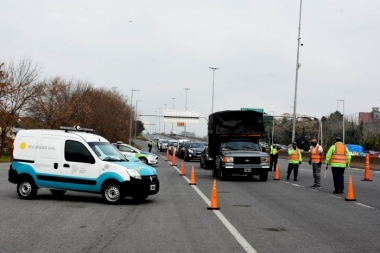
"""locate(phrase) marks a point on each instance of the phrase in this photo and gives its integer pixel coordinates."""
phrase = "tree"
(17, 87)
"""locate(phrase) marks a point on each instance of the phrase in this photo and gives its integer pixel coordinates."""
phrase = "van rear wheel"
(57, 192)
(26, 188)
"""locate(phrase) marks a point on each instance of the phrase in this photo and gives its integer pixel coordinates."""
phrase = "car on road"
(171, 145)
(143, 156)
(205, 160)
(162, 144)
(372, 153)
(193, 150)
(156, 138)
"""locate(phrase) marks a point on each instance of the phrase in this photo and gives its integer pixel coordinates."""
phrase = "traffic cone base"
(192, 177)
(214, 198)
(350, 191)
(182, 173)
(276, 173)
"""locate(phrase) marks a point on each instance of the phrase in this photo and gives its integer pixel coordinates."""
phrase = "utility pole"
(186, 89)
(130, 121)
(173, 110)
(164, 119)
(213, 78)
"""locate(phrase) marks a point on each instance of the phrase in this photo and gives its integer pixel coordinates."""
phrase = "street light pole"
(155, 120)
(272, 125)
(213, 77)
(173, 110)
(186, 89)
(343, 118)
(159, 120)
(297, 67)
(164, 119)
(130, 121)
(136, 119)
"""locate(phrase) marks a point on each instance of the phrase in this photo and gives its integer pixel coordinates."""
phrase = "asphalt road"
(272, 216)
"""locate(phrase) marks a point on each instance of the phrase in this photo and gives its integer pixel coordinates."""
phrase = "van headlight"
(134, 174)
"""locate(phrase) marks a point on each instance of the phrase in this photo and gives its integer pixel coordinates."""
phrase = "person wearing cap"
(316, 157)
(339, 158)
(295, 159)
(274, 149)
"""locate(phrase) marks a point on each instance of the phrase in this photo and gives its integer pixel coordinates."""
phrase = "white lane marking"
(334, 196)
(360, 204)
(297, 185)
(241, 240)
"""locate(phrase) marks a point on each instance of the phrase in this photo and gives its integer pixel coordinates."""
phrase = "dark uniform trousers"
(338, 176)
(273, 161)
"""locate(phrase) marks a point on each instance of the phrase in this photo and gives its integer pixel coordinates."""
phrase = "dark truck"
(233, 139)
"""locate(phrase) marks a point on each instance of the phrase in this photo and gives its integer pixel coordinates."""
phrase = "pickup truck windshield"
(239, 145)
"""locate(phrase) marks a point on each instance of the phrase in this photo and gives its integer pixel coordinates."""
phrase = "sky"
(161, 47)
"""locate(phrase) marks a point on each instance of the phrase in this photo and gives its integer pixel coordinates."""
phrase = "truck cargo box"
(236, 122)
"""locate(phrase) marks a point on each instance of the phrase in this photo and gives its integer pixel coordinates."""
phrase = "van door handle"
(55, 165)
(66, 165)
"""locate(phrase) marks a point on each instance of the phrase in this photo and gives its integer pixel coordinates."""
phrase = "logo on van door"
(22, 145)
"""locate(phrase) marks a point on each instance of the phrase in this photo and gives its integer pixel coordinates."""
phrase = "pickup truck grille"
(247, 160)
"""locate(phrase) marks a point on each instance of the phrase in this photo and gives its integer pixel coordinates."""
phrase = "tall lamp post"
(213, 77)
(272, 125)
(155, 120)
(297, 67)
(164, 119)
(159, 120)
(342, 100)
(186, 89)
(130, 121)
(136, 119)
(173, 110)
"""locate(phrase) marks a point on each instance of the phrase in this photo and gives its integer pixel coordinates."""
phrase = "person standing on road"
(150, 144)
(295, 158)
(274, 149)
(316, 157)
(339, 157)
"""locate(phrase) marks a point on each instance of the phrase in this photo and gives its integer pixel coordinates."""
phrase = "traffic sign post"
(253, 109)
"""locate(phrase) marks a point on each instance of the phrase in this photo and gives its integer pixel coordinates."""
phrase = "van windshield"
(107, 152)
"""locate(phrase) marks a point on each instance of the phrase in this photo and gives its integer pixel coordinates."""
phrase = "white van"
(77, 160)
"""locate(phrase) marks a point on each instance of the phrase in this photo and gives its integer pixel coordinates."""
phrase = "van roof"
(88, 137)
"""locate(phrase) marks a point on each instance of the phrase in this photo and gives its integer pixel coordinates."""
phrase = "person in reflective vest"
(274, 149)
(316, 157)
(295, 159)
(339, 157)
(150, 145)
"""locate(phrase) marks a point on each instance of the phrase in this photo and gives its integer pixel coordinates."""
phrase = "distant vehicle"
(355, 150)
(173, 133)
(372, 153)
(156, 138)
(205, 160)
(233, 141)
(193, 150)
(171, 143)
(162, 144)
(180, 151)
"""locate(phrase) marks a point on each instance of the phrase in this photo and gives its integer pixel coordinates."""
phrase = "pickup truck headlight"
(264, 159)
(134, 173)
(227, 159)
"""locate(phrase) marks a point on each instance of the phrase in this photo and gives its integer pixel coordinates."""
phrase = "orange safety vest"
(339, 155)
(294, 156)
(315, 157)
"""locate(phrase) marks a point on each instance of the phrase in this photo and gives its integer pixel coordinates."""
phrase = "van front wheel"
(26, 188)
(112, 193)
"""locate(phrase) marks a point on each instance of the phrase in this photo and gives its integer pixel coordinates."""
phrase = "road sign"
(180, 124)
(253, 109)
(181, 116)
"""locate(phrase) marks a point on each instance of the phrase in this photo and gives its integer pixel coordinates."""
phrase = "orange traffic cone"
(350, 192)
(174, 160)
(276, 173)
(182, 169)
(366, 169)
(214, 198)
(192, 177)
(167, 158)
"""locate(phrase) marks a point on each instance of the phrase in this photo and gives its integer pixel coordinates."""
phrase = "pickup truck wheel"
(214, 172)
(223, 175)
(264, 176)
(26, 188)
